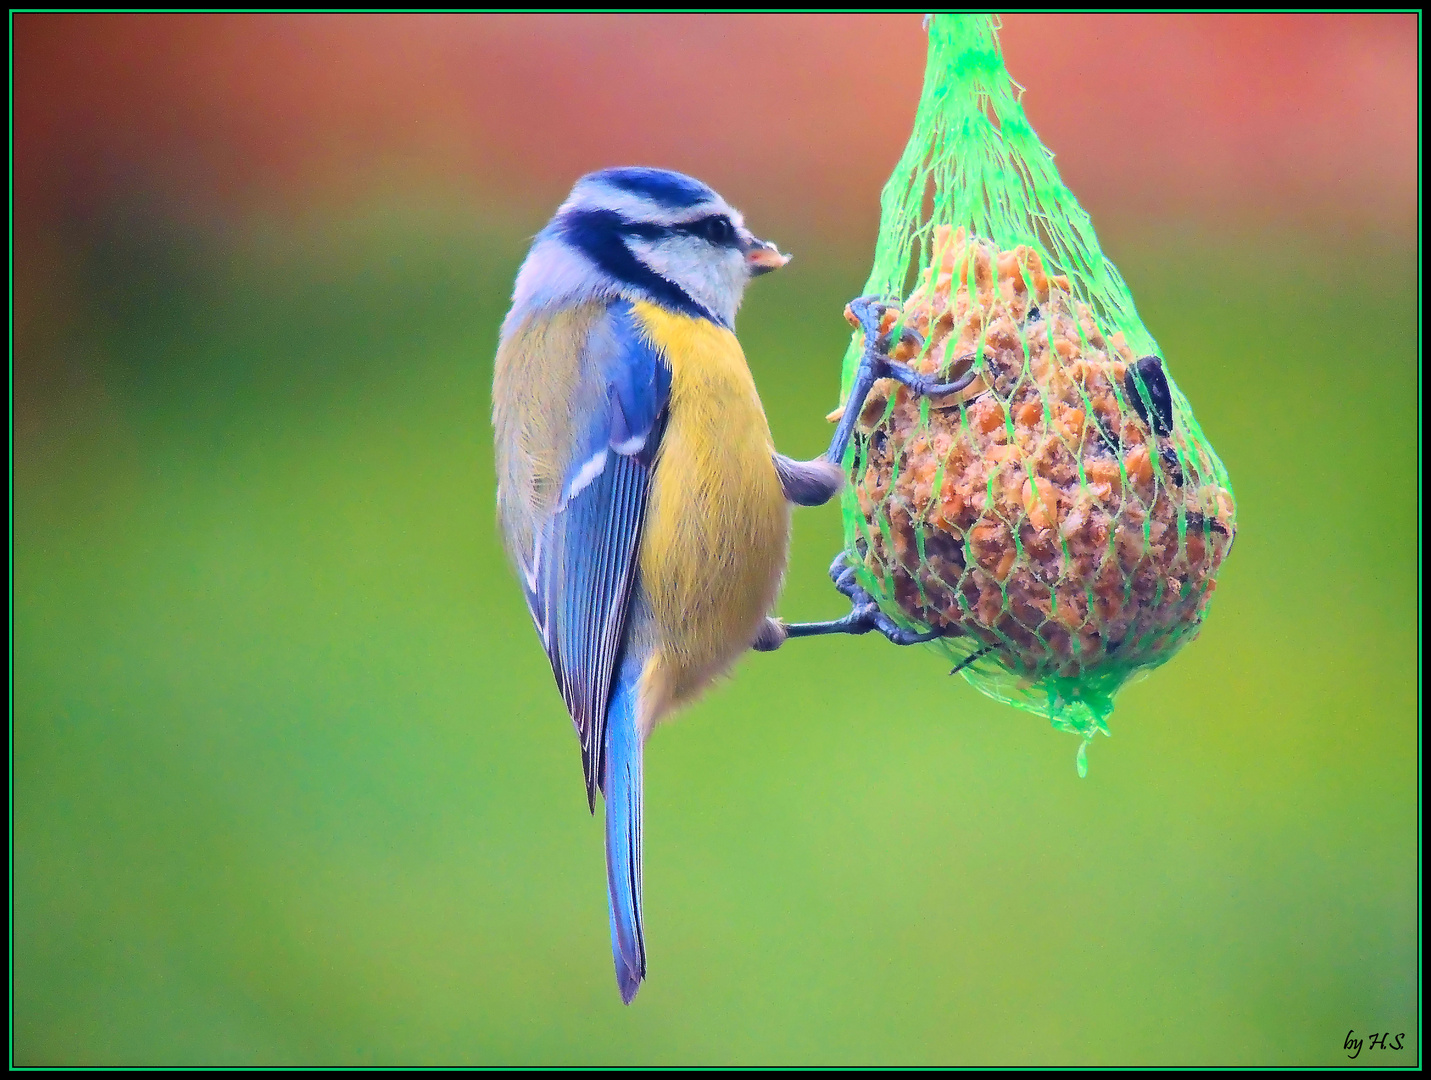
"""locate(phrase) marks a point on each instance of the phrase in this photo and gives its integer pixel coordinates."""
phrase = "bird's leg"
(875, 364)
(814, 483)
(801, 484)
(809, 483)
(864, 616)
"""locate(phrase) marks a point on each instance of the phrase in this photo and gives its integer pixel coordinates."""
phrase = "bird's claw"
(875, 364)
(865, 614)
(869, 312)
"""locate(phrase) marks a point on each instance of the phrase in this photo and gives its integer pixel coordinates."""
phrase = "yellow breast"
(717, 526)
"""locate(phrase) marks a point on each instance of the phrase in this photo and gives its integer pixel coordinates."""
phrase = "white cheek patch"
(676, 258)
(714, 277)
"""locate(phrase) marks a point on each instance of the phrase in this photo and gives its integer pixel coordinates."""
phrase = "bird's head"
(646, 233)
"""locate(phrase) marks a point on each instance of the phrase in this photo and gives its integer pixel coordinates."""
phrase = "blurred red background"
(1257, 116)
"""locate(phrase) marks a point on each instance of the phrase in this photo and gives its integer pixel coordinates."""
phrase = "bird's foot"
(876, 364)
(864, 616)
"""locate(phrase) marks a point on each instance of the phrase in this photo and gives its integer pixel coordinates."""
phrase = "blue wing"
(583, 565)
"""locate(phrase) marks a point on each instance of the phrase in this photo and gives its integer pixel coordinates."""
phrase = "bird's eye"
(719, 230)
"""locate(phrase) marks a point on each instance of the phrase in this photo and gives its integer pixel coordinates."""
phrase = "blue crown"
(670, 189)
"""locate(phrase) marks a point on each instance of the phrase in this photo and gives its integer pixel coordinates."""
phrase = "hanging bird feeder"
(1059, 521)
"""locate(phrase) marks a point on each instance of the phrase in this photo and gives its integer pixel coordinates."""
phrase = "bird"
(640, 496)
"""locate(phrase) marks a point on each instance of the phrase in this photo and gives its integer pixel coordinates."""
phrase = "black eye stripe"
(715, 228)
(644, 230)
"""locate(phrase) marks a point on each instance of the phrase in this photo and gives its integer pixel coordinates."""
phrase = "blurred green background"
(292, 783)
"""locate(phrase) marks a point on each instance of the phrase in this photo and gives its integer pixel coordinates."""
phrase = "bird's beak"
(761, 256)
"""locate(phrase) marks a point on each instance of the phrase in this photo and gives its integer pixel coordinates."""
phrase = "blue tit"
(639, 492)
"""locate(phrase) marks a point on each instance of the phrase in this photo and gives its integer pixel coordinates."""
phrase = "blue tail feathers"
(622, 788)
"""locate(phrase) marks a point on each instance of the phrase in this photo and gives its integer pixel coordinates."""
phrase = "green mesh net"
(1063, 518)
